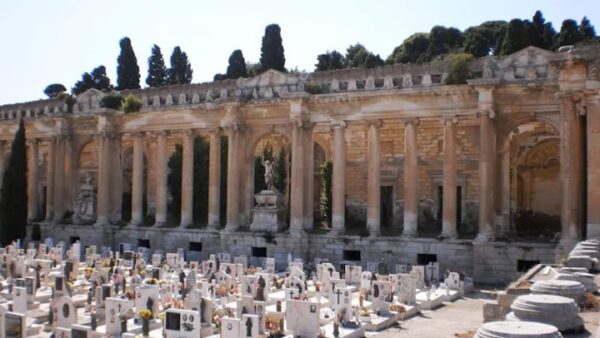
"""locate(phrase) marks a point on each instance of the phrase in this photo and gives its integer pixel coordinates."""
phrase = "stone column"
(137, 181)
(487, 165)
(411, 178)
(338, 212)
(50, 178)
(571, 165)
(374, 179)
(297, 179)
(59, 179)
(233, 179)
(104, 172)
(32, 182)
(161, 179)
(593, 165)
(449, 192)
(187, 179)
(214, 181)
(309, 175)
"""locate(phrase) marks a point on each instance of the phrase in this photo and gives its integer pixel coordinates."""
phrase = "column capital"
(411, 120)
(375, 122)
(233, 127)
(30, 141)
(450, 120)
(189, 132)
(339, 124)
(573, 95)
(136, 134)
(215, 130)
(159, 133)
(486, 112)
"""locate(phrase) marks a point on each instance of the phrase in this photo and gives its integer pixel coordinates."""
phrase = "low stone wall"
(487, 262)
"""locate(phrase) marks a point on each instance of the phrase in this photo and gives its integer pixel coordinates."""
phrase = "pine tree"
(330, 61)
(237, 65)
(516, 37)
(569, 34)
(271, 52)
(13, 196)
(97, 80)
(128, 72)
(157, 71)
(586, 29)
(181, 69)
(54, 90)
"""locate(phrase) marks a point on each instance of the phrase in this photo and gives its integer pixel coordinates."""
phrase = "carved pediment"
(270, 78)
(529, 63)
(90, 99)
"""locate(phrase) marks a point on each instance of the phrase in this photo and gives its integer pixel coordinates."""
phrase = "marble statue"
(86, 202)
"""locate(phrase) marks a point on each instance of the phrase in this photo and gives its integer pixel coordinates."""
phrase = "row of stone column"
(411, 178)
(302, 177)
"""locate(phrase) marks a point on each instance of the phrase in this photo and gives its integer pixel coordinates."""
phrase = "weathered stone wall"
(488, 262)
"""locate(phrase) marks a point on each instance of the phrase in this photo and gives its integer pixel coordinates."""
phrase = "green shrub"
(312, 88)
(112, 102)
(459, 72)
(132, 104)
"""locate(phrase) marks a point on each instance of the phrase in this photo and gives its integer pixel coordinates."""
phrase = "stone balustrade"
(527, 66)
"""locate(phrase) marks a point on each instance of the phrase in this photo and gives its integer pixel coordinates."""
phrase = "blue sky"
(56, 41)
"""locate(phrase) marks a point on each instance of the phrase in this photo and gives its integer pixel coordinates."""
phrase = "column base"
(448, 235)
(296, 232)
(184, 225)
(158, 224)
(409, 234)
(483, 237)
(135, 223)
(231, 228)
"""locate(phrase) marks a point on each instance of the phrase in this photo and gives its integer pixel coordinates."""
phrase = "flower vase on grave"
(336, 329)
(146, 327)
(123, 325)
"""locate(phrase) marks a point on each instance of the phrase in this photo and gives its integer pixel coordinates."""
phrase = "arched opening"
(87, 184)
(534, 191)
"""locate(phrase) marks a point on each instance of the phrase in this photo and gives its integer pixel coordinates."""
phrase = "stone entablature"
(529, 65)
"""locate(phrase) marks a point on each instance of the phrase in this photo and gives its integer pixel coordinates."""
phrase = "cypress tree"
(538, 24)
(13, 197)
(128, 72)
(181, 69)
(516, 37)
(586, 29)
(569, 33)
(157, 71)
(237, 65)
(271, 52)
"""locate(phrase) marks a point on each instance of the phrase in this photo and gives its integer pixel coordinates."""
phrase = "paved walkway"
(461, 319)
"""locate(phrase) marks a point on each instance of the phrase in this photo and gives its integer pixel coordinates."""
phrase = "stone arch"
(530, 177)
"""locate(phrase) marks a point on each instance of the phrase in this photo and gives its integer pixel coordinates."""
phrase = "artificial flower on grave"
(88, 272)
(145, 314)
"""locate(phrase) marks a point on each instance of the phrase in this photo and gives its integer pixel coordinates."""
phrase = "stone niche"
(269, 212)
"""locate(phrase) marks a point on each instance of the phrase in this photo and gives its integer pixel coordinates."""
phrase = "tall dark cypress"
(181, 69)
(128, 72)
(13, 196)
(237, 65)
(271, 52)
(157, 71)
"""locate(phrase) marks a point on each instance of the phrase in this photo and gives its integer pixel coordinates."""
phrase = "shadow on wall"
(537, 224)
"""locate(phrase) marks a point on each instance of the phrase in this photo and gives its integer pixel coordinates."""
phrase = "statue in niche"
(86, 202)
(269, 170)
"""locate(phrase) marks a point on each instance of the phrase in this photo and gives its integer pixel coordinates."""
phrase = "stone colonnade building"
(486, 178)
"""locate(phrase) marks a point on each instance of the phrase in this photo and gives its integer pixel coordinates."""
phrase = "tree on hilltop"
(181, 69)
(272, 52)
(157, 71)
(128, 71)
